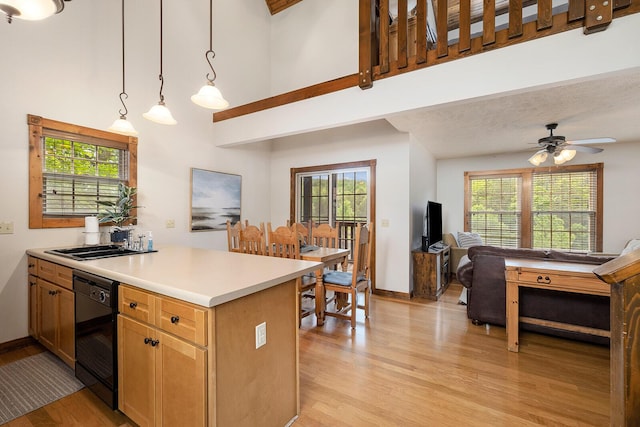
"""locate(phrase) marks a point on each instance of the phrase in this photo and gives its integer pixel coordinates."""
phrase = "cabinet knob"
(32, 283)
(175, 319)
(133, 305)
(147, 340)
(155, 343)
(31, 265)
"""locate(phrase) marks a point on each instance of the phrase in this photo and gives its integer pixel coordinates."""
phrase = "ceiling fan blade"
(584, 149)
(592, 141)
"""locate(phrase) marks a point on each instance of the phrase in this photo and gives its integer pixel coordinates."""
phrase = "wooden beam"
(598, 16)
(276, 6)
(289, 97)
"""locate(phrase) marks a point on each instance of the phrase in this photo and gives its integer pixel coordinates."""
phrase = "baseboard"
(16, 344)
(392, 294)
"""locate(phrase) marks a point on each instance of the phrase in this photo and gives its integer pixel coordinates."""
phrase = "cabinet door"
(33, 306)
(136, 372)
(66, 326)
(47, 322)
(181, 387)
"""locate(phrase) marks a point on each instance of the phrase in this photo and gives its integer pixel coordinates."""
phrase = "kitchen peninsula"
(187, 334)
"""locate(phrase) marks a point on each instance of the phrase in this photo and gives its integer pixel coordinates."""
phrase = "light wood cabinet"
(33, 306)
(55, 319)
(52, 307)
(184, 364)
(162, 377)
(430, 272)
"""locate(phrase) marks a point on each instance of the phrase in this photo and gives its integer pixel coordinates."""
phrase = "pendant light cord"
(160, 76)
(123, 94)
(210, 51)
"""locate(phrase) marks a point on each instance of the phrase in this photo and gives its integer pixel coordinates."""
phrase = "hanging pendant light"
(121, 125)
(30, 10)
(209, 96)
(160, 113)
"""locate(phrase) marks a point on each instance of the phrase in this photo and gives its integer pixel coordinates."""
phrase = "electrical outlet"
(261, 334)
(6, 227)
(171, 223)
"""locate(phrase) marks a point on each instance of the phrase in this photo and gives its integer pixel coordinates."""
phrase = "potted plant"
(119, 212)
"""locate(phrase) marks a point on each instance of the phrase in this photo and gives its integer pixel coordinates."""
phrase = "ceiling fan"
(563, 150)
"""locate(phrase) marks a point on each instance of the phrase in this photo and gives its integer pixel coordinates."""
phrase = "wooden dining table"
(328, 257)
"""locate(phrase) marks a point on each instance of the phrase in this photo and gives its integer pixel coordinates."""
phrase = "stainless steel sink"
(82, 253)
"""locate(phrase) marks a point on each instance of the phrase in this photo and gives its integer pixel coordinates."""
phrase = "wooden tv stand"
(430, 272)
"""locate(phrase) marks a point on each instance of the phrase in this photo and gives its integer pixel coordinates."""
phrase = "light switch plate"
(6, 227)
(171, 223)
(261, 334)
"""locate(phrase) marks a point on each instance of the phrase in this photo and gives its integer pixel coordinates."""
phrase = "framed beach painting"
(215, 198)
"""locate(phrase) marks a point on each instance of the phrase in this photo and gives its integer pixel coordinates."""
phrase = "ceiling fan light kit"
(563, 150)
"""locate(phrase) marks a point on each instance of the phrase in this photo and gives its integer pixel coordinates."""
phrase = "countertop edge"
(170, 291)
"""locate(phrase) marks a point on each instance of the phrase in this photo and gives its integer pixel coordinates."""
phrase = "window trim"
(526, 238)
(93, 136)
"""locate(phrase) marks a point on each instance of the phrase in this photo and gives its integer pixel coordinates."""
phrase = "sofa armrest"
(464, 272)
(456, 256)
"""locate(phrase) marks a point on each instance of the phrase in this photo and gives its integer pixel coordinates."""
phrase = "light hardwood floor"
(418, 363)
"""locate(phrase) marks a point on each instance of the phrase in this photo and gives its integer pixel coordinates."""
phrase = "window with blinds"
(564, 210)
(496, 209)
(72, 168)
(541, 208)
(76, 175)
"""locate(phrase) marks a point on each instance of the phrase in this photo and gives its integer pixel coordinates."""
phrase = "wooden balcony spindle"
(464, 26)
(421, 31)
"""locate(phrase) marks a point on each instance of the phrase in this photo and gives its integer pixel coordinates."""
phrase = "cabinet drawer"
(32, 265)
(182, 319)
(136, 303)
(55, 273)
(536, 277)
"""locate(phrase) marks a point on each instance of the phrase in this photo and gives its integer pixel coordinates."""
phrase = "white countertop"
(201, 276)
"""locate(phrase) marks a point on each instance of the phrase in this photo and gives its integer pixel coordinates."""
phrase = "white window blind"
(496, 209)
(564, 208)
(78, 173)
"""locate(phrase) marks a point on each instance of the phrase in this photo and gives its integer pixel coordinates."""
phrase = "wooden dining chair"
(284, 243)
(303, 231)
(253, 240)
(233, 236)
(325, 236)
(358, 280)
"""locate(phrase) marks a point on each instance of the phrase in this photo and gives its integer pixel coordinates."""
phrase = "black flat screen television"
(432, 231)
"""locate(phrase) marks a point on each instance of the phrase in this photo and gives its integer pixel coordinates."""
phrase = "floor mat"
(33, 382)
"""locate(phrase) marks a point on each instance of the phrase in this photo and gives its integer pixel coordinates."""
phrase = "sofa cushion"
(631, 246)
(506, 252)
(467, 239)
(581, 258)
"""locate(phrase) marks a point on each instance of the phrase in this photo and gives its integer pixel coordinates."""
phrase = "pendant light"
(160, 113)
(121, 125)
(30, 10)
(209, 96)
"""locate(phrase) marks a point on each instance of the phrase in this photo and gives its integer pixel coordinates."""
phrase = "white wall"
(423, 173)
(68, 68)
(312, 42)
(375, 140)
(621, 175)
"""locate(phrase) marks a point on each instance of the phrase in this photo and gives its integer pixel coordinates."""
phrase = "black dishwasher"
(96, 338)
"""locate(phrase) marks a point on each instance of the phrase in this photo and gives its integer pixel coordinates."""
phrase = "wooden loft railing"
(409, 43)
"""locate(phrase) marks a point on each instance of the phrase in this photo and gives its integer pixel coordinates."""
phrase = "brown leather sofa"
(482, 273)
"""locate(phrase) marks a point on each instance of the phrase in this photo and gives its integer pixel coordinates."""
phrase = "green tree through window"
(542, 208)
